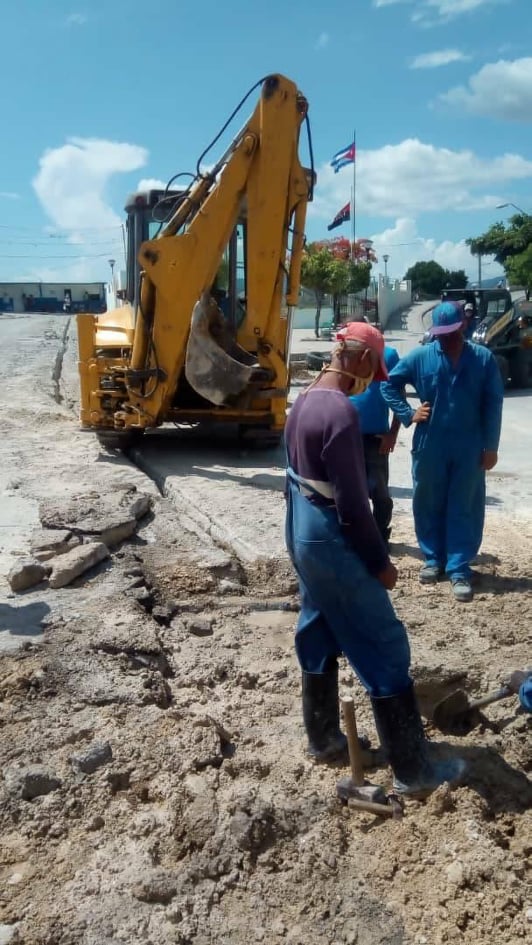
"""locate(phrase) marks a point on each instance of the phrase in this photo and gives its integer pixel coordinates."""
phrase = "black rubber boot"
(402, 737)
(321, 715)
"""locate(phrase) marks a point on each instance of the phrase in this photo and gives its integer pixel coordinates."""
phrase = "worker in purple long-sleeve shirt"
(345, 572)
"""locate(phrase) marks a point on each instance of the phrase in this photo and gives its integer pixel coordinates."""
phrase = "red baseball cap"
(369, 336)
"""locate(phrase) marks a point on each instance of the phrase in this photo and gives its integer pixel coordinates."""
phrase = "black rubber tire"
(504, 368)
(316, 359)
(258, 438)
(115, 440)
(521, 369)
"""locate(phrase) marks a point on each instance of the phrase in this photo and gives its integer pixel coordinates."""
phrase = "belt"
(303, 484)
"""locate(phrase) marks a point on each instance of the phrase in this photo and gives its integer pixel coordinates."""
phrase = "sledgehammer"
(362, 794)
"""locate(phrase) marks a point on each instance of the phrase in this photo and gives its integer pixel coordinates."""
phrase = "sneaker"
(430, 574)
(462, 589)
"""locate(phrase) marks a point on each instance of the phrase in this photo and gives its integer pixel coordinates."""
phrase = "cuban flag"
(344, 157)
(343, 216)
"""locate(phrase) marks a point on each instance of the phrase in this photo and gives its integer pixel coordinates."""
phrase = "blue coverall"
(449, 490)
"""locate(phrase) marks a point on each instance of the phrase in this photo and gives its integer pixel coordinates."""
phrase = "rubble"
(66, 568)
(46, 543)
(27, 573)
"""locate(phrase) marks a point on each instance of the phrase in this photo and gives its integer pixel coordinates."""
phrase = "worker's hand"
(388, 441)
(422, 413)
(517, 679)
(489, 459)
(388, 577)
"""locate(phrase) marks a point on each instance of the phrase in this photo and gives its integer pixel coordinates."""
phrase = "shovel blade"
(453, 715)
(209, 368)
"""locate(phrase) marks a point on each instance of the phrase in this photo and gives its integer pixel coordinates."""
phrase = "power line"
(82, 256)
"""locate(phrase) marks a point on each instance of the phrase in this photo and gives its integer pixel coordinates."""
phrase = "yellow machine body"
(173, 356)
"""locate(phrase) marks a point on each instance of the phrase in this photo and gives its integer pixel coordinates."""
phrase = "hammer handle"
(355, 754)
(491, 697)
(384, 810)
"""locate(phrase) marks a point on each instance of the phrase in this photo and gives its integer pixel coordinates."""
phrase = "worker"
(520, 682)
(470, 322)
(455, 442)
(379, 441)
(345, 572)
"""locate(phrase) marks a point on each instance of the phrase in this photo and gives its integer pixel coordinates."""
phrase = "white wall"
(394, 295)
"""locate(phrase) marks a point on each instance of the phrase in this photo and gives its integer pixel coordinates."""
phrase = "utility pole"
(479, 270)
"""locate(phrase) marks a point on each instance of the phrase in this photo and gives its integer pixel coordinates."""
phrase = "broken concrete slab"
(27, 573)
(68, 567)
(111, 530)
(48, 542)
(110, 519)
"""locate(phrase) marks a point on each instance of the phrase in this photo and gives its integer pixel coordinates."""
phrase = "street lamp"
(386, 258)
(112, 265)
(501, 206)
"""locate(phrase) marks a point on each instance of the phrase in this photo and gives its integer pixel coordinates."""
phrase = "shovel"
(456, 715)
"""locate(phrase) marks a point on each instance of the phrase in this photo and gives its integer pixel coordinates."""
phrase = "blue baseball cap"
(446, 318)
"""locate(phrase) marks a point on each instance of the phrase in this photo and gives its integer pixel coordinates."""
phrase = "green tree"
(328, 269)
(456, 278)
(427, 277)
(519, 269)
(316, 275)
(359, 276)
(503, 242)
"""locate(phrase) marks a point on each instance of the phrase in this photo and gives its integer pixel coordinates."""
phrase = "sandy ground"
(154, 707)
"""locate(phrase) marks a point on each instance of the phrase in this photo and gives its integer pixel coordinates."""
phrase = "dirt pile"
(155, 774)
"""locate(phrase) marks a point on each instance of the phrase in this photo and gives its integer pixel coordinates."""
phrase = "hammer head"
(346, 788)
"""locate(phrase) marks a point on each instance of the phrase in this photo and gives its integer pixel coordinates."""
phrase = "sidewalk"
(403, 332)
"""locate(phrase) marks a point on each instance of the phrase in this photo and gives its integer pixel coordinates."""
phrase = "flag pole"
(353, 207)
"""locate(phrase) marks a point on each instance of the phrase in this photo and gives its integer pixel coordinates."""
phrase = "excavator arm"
(178, 340)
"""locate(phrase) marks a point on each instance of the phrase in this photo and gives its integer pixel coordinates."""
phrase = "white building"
(51, 296)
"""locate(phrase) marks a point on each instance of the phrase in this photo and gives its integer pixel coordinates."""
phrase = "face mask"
(360, 385)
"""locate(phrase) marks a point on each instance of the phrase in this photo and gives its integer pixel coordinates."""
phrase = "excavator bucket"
(215, 366)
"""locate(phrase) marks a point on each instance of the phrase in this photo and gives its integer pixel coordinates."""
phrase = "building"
(53, 297)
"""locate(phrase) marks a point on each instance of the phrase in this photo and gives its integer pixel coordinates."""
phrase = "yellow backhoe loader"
(205, 330)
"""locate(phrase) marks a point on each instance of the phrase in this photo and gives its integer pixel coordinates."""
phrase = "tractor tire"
(521, 369)
(119, 440)
(504, 368)
(316, 359)
(258, 438)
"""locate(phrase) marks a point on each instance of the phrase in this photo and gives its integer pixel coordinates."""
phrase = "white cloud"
(433, 12)
(72, 179)
(9, 195)
(501, 89)
(441, 57)
(322, 41)
(412, 177)
(405, 247)
(76, 19)
(151, 183)
(71, 186)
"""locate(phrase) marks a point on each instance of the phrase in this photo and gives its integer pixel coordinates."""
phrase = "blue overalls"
(344, 609)
(449, 487)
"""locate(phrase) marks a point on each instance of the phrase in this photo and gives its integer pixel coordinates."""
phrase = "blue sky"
(103, 94)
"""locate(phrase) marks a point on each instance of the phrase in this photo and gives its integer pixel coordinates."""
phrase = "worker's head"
(469, 310)
(359, 355)
(446, 320)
